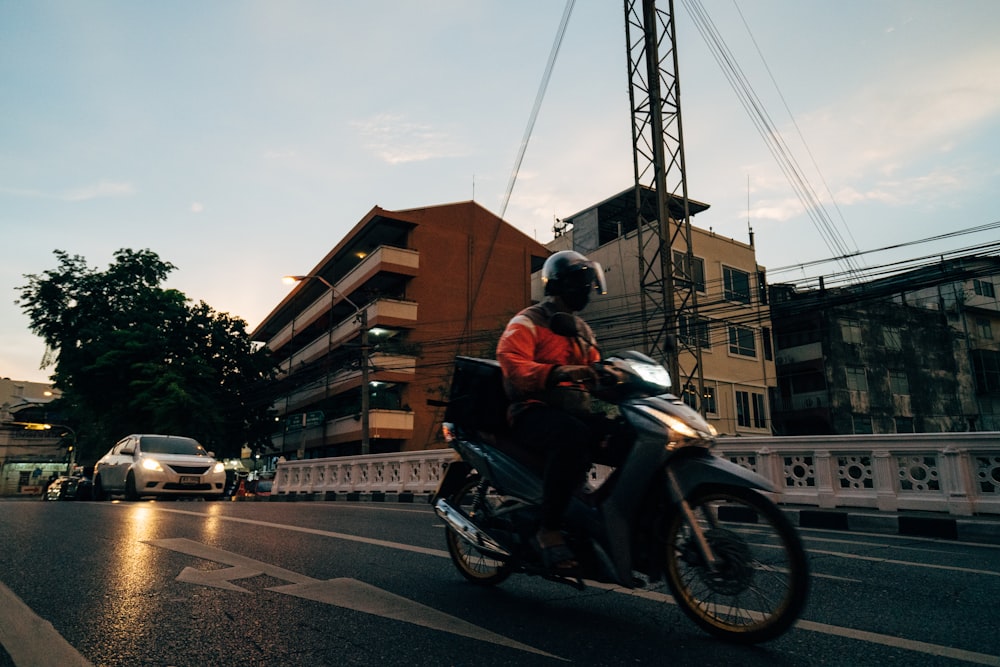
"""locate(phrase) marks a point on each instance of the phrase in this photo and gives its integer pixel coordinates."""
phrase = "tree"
(133, 357)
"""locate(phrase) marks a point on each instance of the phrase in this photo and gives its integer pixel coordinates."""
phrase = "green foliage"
(136, 358)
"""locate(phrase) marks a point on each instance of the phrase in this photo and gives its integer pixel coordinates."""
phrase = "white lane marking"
(893, 561)
(31, 640)
(898, 642)
(861, 635)
(341, 592)
(314, 531)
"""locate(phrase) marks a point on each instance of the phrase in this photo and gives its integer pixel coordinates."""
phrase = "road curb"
(961, 529)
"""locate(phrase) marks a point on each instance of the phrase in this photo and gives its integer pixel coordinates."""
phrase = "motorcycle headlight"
(680, 427)
(652, 373)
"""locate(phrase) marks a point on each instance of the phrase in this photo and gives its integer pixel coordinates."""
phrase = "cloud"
(100, 190)
(197, 207)
(398, 141)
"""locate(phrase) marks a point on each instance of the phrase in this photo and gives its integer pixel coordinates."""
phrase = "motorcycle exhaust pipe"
(468, 531)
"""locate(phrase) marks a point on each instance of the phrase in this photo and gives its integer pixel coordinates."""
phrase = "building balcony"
(385, 259)
(799, 354)
(389, 424)
(383, 312)
(383, 368)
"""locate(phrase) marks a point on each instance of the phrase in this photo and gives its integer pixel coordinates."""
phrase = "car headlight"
(218, 467)
(152, 464)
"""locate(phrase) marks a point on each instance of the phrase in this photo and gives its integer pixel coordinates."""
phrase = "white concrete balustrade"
(954, 473)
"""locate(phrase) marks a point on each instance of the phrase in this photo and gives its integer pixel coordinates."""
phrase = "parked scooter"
(671, 510)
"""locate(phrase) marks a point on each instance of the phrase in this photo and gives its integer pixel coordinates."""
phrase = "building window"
(741, 341)
(690, 397)
(985, 328)
(904, 424)
(862, 424)
(743, 408)
(737, 284)
(850, 330)
(986, 368)
(694, 274)
(751, 411)
(856, 378)
(898, 383)
(893, 337)
(765, 339)
(695, 331)
(984, 288)
(759, 411)
(708, 396)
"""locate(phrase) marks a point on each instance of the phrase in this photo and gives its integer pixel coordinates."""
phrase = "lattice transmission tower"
(669, 297)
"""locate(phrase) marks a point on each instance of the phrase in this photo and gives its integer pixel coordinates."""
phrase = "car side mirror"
(130, 451)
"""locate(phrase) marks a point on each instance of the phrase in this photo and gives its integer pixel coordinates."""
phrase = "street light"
(362, 316)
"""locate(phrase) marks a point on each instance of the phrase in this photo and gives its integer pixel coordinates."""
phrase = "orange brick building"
(425, 285)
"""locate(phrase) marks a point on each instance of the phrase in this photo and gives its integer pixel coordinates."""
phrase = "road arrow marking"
(343, 592)
(359, 596)
(218, 578)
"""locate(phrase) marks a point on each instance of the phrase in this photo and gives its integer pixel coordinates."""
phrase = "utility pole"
(362, 318)
(668, 291)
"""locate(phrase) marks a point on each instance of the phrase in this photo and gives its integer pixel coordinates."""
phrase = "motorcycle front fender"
(696, 470)
(454, 476)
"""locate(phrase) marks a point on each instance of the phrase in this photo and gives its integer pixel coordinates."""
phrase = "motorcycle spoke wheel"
(476, 566)
(760, 582)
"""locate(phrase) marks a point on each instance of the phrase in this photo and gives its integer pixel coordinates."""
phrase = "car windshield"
(161, 445)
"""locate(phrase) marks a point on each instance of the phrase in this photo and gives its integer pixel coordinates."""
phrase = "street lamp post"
(362, 316)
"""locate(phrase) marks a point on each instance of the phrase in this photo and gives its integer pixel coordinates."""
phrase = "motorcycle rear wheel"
(476, 566)
(760, 583)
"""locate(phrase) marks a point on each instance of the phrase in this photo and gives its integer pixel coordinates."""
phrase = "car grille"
(170, 486)
(188, 470)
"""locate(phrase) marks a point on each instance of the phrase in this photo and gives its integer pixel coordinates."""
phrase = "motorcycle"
(669, 510)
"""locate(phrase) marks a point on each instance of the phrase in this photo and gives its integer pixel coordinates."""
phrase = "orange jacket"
(529, 350)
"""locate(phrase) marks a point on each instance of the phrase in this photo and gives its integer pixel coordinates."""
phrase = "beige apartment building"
(733, 327)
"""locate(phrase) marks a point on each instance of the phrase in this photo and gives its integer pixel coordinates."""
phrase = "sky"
(241, 139)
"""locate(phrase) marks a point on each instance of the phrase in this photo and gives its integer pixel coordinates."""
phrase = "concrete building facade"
(733, 328)
(29, 456)
(917, 352)
(428, 284)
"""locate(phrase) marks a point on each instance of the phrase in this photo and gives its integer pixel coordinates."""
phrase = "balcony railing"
(388, 424)
(386, 312)
(384, 258)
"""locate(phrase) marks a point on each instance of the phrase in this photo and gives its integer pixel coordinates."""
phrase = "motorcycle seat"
(506, 443)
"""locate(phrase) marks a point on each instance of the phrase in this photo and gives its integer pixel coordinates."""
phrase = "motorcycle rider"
(545, 374)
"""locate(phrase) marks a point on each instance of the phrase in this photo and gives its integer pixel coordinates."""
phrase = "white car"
(158, 465)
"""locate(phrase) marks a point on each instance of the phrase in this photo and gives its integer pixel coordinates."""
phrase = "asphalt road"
(335, 583)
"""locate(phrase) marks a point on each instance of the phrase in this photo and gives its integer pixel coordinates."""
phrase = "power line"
(542, 87)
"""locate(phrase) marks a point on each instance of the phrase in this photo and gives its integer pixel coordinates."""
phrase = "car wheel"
(98, 492)
(130, 491)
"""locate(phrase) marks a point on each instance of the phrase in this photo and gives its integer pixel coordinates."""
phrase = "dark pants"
(568, 444)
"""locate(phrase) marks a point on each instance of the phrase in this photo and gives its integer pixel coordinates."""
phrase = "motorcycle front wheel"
(475, 500)
(758, 586)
